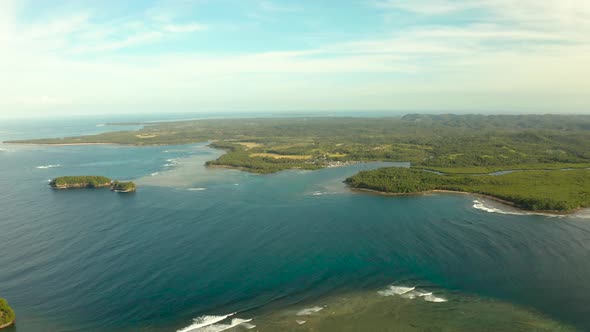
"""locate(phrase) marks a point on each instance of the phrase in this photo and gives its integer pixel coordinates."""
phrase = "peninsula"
(92, 181)
(7, 316)
(463, 148)
(470, 142)
(558, 191)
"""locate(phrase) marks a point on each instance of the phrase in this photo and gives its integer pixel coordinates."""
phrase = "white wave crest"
(410, 293)
(222, 327)
(48, 166)
(300, 322)
(154, 174)
(203, 321)
(248, 326)
(432, 298)
(395, 290)
(479, 205)
(196, 189)
(318, 193)
(309, 311)
(414, 294)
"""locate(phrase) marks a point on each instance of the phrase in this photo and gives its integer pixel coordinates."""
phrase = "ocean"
(197, 249)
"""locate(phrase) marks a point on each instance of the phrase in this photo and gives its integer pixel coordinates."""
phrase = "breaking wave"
(48, 166)
(395, 290)
(411, 293)
(309, 311)
(196, 189)
(432, 298)
(203, 321)
(479, 205)
(211, 323)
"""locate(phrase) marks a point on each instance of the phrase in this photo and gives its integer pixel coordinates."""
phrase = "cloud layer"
(481, 55)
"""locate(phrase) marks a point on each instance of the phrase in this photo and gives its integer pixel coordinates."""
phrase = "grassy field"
(555, 190)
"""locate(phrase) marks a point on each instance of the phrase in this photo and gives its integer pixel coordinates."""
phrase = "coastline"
(499, 200)
(7, 324)
(58, 144)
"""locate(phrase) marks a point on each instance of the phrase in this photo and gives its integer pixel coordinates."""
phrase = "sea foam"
(309, 311)
(410, 293)
(196, 189)
(479, 205)
(396, 290)
(222, 327)
(210, 323)
(432, 298)
(48, 166)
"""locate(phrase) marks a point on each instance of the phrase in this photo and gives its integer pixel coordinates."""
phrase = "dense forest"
(123, 186)
(533, 190)
(90, 181)
(7, 315)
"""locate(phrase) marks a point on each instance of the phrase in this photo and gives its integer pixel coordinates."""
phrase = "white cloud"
(428, 7)
(191, 27)
(43, 100)
(138, 39)
(527, 54)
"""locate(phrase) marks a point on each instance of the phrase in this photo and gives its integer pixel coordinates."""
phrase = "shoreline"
(59, 144)
(7, 324)
(499, 200)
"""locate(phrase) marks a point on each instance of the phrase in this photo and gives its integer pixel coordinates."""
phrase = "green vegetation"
(80, 182)
(457, 145)
(91, 181)
(474, 143)
(493, 169)
(532, 190)
(239, 157)
(123, 187)
(7, 315)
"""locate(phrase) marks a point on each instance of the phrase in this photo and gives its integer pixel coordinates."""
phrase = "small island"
(92, 181)
(123, 187)
(7, 316)
(68, 182)
(557, 191)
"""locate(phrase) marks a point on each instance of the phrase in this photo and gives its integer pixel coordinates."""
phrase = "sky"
(111, 56)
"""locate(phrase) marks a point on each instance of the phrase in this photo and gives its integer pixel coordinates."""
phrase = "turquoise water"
(194, 242)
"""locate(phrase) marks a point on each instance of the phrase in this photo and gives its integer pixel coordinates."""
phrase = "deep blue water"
(93, 260)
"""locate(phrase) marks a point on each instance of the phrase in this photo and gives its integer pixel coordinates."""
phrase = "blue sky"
(83, 57)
